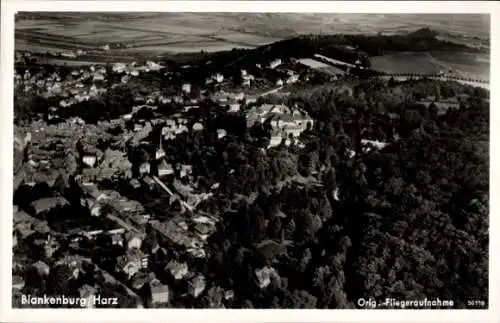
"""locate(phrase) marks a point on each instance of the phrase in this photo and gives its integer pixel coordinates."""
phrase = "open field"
(476, 66)
(152, 33)
(406, 63)
(465, 65)
(145, 31)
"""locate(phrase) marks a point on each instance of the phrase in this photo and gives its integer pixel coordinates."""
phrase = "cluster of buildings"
(92, 154)
(137, 262)
(72, 89)
(82, 83)
(135, 69)
(287, 123)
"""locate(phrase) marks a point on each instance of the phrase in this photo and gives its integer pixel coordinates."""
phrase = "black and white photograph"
(250, 160)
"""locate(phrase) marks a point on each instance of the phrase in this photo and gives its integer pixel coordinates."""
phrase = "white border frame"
(7, 314)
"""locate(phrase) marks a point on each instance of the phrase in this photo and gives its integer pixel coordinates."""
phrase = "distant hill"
(345, 47)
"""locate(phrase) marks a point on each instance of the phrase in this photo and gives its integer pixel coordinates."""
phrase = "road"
(166, 189)
(271, 91)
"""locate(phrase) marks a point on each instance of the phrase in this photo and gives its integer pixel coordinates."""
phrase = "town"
(161, 183)
(69, 155)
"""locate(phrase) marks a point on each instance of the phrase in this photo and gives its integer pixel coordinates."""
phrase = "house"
(220, 97)
(191, 107)
(133, 241)
(42, 268)
(233, 108)
(159, 292)
(144, 168)
(165, 169)
(68, 55)
(40, 239)
(264, 276)
(229, 294)
(90, 189)
(44, 205)
(186, 88)
(275, 63)
(153, 66)
(160, 153)
(204, 228)
(17, 282)
(125, 79)
(177, 270)
(197, 252)
(292, 79)
(169, 127)
(186, 170)
(197, 285)
(170, 230)
(117, 239)
(221, 133)
(198, 126)
(119, 67)
(98, 77)
(177, 99)
(92, 234)
(215, 295)
(73, 91)
(25, 225)
(88, 293)
(131, 262)
(237, 96)
(149, 181)
(336, 195)
(180, 129)
(50, 247)
(89, 160)
(373, 144)
(164, 100)
(218, 77)
(74, 264)
(142, 278)
(138, 127)
(275, 140)
(135, 184)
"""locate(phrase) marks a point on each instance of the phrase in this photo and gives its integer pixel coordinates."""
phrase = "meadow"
(406, 63)
(464, 65)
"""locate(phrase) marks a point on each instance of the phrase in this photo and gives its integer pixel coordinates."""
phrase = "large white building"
(284, 121)
(275, 63)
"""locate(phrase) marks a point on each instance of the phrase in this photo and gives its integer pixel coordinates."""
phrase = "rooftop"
(46, 204)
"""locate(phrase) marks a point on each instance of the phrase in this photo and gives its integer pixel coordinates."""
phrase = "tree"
(259, 226)
(275, 228)
(290, 229)
(304, 260)
(301, 299)
(325, 209)
(120, 101)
